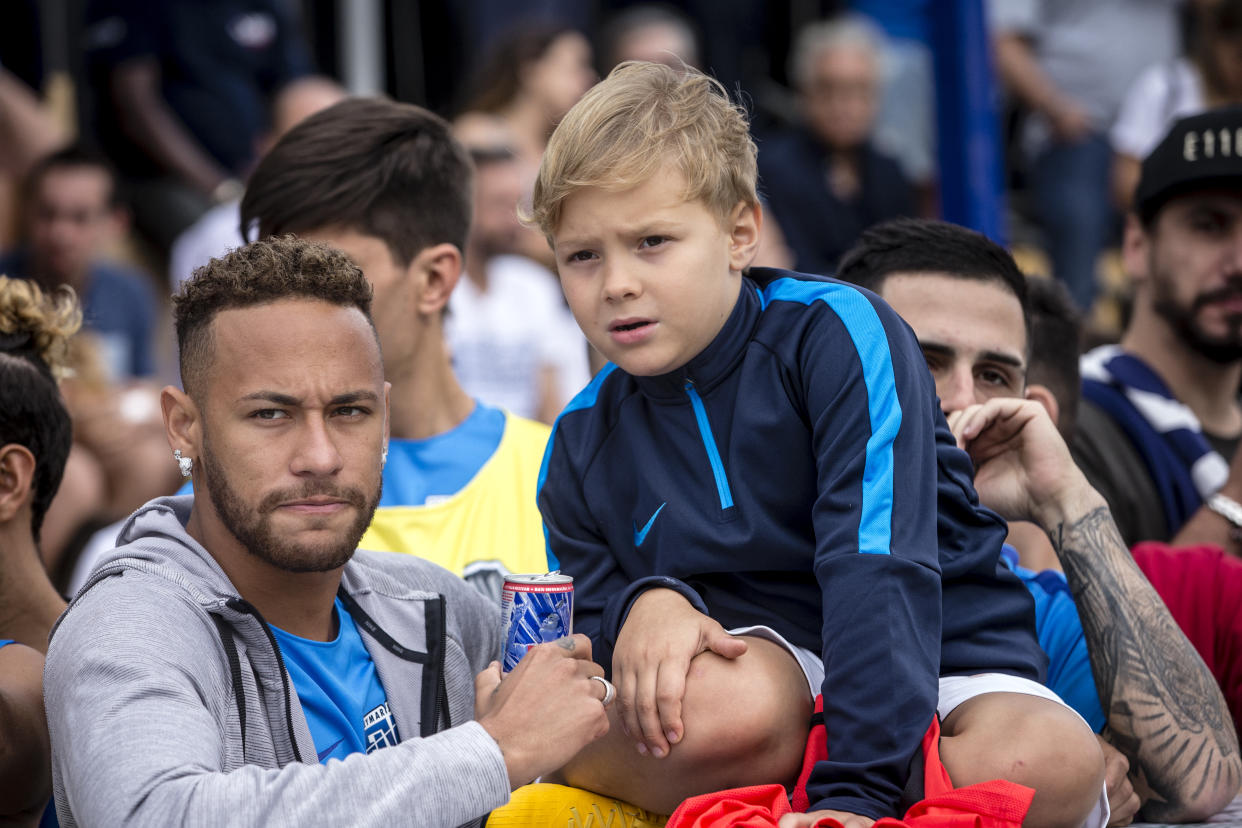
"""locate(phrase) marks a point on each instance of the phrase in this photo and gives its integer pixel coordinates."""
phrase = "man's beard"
(1183, 319)
(252, 526)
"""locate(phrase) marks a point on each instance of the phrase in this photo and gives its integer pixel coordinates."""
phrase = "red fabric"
(1202, 587)
(759, 806)
(816, 750)
(996, 804)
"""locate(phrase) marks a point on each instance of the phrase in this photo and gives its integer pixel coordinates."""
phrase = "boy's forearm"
(871, 736)
(1164, 709)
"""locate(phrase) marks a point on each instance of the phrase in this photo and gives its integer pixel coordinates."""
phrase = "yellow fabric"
(564, 807)
(492, 524)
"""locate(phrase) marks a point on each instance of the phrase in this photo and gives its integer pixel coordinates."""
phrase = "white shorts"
(953, 691)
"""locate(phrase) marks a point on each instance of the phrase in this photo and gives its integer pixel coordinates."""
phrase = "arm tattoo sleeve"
(1164, 709)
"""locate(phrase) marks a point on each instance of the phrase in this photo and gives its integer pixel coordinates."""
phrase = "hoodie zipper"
(434, 689)
(709, 443)
(243, 606)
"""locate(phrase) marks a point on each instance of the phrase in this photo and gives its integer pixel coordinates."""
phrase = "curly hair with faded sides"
(262, 272)
(34, 347)
(640, 119)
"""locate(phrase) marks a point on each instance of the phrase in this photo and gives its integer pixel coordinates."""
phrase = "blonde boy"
(759, 499)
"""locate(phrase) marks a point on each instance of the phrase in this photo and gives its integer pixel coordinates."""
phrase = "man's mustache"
(1232, 291)
(353, 497)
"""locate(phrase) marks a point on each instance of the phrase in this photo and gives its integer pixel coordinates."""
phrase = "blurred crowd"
(128, 129)
(141, 140)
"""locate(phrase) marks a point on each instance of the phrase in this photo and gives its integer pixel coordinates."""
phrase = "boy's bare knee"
(753, 711)
(1031, 741)
(745, 722)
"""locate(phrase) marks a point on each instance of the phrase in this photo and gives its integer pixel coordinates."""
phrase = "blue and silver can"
(534, 609)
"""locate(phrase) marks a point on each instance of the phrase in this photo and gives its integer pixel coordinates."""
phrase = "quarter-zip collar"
(715, 361)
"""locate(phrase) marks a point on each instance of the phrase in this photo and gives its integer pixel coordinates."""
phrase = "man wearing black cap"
(1161, 420)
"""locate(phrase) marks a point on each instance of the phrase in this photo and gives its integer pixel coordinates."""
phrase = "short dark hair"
(911, 246)
(1055, 345)
(34, 334)
(74, 156)
(384, 169)
(281, 267)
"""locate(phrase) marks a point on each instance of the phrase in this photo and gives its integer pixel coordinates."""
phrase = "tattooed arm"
(1165, 712)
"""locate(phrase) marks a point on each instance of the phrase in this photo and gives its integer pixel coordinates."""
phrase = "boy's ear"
(745, 225)
(17, 468)
(438, 268)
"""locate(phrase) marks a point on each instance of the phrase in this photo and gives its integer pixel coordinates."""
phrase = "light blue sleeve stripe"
(883, 407)
(584, 399)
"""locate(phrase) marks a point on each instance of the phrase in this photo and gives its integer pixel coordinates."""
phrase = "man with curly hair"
(235, 660)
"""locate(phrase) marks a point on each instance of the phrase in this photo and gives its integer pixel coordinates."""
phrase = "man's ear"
(745, 225)
(1043, 395)
(17, 468)
(438, 268)
(183, 422)
(1135, 250)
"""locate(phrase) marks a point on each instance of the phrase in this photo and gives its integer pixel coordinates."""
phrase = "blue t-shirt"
(345, 704)
(1060, 635)
(421, 471)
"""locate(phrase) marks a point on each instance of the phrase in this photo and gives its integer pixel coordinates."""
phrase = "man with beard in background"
(1160, 421)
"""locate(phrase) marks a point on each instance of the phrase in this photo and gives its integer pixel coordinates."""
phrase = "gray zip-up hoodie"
(168, 702)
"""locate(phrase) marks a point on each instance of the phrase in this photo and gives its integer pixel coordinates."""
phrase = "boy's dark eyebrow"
(941, 349)
(285, 399)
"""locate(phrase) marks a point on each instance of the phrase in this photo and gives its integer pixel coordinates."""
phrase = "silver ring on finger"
(610, 692)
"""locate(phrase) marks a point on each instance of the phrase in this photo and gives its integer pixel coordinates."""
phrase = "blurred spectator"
(219, 229)
(34, 441)
(1160, 422)
(826, 182)
(652, 32)
(525, 85)
(906, 121)
(1069, 63)
(1210, 76)
(72, 216)
(114, 466)
(527, 82)
(513, 340)
(181, 91)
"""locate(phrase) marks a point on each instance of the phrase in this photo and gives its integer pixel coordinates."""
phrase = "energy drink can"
(534, 609)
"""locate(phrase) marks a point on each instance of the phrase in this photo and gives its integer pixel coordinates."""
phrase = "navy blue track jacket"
(797, 473)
